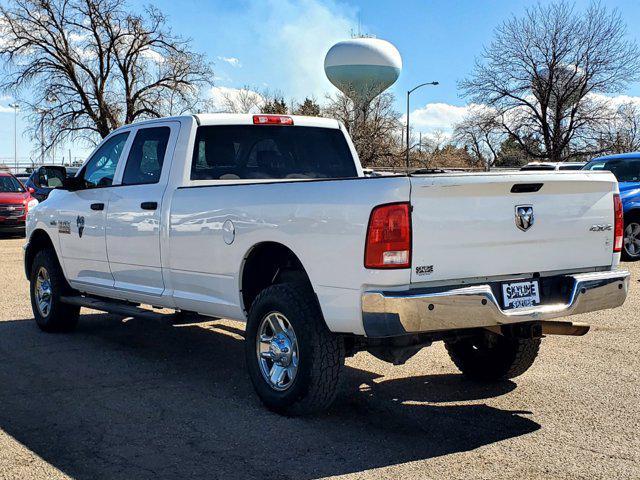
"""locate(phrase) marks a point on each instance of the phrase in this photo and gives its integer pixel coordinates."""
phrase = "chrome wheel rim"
(632, 239)
(43, 292)
(277, 351)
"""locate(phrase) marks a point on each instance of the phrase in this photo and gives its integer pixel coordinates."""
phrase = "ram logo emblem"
(80, 225)
(524, 217)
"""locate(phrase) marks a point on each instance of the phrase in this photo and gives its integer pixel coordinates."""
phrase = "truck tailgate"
(464, 225)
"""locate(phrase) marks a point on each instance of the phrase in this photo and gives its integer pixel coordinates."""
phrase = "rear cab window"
(232, 152)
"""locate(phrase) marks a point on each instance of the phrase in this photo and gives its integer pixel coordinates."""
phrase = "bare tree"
(86, 67)
(243, 100)
(375, 132)
(540, 73)
(480, 132)
(433, 141)
(622, 134)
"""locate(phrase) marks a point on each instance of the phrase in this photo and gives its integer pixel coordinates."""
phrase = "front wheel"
(294, 361)
(489, 356)
(631, 250)
(48, 284)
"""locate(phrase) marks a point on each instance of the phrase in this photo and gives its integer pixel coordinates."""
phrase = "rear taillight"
(389, 237)
(272, 120)
(618, 228)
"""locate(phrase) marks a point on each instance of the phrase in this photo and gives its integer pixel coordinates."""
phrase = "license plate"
(520, 294)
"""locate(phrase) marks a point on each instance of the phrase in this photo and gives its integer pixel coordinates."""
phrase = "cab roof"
(247, 119)
(237, 119)
(618, 156)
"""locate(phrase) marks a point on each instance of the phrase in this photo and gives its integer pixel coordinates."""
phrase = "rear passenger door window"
(146, 156)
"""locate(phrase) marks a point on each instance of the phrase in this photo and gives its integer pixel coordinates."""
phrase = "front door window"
(100, 170)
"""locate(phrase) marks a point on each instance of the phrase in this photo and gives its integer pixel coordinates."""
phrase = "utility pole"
(15, 135)
(42, 141)
(42, 113)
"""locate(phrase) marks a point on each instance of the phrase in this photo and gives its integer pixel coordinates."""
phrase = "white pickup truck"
(270, 219)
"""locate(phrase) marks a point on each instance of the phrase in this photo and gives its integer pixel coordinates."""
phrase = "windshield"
(624, 169)
(254, 152)
(10, 185)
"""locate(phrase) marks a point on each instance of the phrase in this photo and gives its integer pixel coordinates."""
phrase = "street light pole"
(15, 134)
(409, 92)
(42, 114)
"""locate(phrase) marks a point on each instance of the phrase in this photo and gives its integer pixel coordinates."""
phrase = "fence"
(27, 165)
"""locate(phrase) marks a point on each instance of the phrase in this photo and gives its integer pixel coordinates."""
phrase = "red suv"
(15, 202)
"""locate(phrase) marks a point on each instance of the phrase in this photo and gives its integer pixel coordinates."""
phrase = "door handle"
(97, 206)
(149, 205)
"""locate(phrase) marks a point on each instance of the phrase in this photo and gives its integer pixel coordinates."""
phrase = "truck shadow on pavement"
(142, 399)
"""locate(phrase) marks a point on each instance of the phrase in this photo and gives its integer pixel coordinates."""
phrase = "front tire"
(294, 361)
(490, 357)
(47, 285)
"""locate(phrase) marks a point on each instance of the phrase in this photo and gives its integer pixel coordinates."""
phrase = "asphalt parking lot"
(128, 398)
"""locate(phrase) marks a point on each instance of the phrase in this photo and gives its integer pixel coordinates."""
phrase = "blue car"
(44, 179)
(626, 168)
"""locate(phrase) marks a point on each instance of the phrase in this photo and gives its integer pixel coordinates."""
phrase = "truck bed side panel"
(323, 222)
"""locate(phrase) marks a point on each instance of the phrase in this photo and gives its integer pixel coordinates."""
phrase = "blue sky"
(280, 45)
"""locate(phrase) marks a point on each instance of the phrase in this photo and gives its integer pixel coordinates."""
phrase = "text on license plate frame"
(520, 294)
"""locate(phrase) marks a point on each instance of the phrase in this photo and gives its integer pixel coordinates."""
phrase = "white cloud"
(616, 101)
(437, 116)
(443, 116)
(4, 32)
(78, 37)
(6, 100)
(233, 61)
(298, 34)
(153, 55)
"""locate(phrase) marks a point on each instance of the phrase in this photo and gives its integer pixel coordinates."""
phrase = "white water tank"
(362, 68)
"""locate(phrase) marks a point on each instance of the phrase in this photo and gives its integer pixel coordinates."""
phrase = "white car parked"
(270, 219)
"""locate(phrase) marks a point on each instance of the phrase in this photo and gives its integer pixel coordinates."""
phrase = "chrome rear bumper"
(392, 313)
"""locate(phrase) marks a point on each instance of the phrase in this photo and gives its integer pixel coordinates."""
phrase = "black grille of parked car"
(12, 210)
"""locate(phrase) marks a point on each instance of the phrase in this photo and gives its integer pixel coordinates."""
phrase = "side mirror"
(31, 190)
(72, 184)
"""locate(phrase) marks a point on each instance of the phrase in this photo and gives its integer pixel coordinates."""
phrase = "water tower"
(566, 79)
(362, 68)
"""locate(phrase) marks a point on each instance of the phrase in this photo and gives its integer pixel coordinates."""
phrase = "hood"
(13, 197)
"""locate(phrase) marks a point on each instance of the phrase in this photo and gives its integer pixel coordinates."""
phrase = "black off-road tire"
(491, 357)
(61, 317)
(321, 352)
